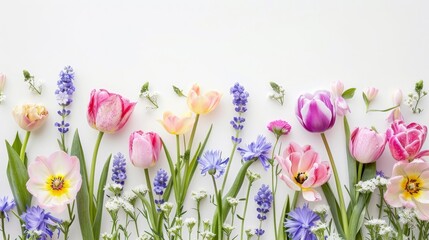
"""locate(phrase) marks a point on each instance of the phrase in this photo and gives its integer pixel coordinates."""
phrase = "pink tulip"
(30, 117)
(108, 112)
(366, 145)
(303, 170)
(395, 115)
(371, 93)
(177, 125)
(202, 104)
(55, 180)
(144, 148)
(408, 187)
(397, 97)
(406, 141)
(316, 112)
(337, 88)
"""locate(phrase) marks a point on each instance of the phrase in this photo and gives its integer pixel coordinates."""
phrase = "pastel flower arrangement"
(44, 187)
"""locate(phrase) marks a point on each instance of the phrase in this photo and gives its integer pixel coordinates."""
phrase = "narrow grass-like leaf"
(333, 205)
(351, 163)
(100, 198)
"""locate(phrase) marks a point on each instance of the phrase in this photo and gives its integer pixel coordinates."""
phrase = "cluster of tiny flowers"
(333, 236)
(118, 170)
(407, 216)
(140, 189)
(160, 183)
(380, 227)
(114, 203)
(145, 236)
(198, 196)
(239, 100)
(252, 176)
(106, 236)
(319, 228)
(166, 208)
(64, 94)
(263, 199)
(371, 184)
(114, 188)
(129, 196)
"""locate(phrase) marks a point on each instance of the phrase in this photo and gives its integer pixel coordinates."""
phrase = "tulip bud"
(366, 145)
(202, 104)
(371, 93)
(144, 149)
(397, 97)
(337, 88)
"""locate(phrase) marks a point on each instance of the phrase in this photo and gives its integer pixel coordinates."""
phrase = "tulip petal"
(311, 195)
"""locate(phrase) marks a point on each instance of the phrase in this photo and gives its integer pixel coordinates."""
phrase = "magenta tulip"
(108, 112)
(366, 145)
(144, 148)
(406, 141)
(316, 112)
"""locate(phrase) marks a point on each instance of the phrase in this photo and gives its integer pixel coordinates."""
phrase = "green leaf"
(27, 74)
(82, 198)
(17, 144)
(281, 233)
(351, 162)
(18, 177)
(357, 216)
(275, 87)
(178, 91)
(365, 99)
(369, 171)
(333, 205)
(100, 198)
(349, 93)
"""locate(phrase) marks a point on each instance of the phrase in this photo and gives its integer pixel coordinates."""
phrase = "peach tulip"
(177, 125)
(202, 104)
(30, 117)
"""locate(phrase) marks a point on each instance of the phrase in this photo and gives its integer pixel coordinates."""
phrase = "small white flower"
(319, 226)
(175, 229)
(2, 97)
(375, 222)
(140, 189)
(228, 228)
(113, 204)
(190, 222)
(207, 235)
(334, 236)
(232, 201)
(321, 209)
(179, 221)
(366, 186)
(145, 236)
(200, 195)
(114, 188)
(166, 208)
(106, 236)
(252, 176)
(129, 196)
(249, 232)
(387, 231)
(127, 206)
(407, 216)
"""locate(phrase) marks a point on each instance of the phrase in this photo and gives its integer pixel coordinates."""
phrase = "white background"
(119, 45)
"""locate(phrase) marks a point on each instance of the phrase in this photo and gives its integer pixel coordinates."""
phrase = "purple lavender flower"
(118, 170)
(6, 205)
(316, 112)
(160, 184)
(212, 163)
(64, 94)
(299, 223)
(380, 174)
(36, 219)
(257, 150)
(263, 198)
(239, 100)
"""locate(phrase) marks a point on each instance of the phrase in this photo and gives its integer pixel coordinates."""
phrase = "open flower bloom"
(177, 125)
(408, 187)
(316, 112)
(54, 180)
(279, 127)
(302, 169)
(202, 104)
(144, 148)
(406, 141)
(108, 112)
(30, 117)
(366, 145)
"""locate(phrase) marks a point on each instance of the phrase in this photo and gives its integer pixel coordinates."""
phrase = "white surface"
(302, 45)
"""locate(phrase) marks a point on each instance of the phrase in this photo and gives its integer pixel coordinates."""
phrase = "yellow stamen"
(57, 185)
(412, 186)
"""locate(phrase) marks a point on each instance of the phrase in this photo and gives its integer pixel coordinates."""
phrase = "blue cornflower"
(6, 205)
(118, 170)
(160, 184)
(239, 100)
(263, 198)
(212, 163)
(65, 90)
(257, 150)
(299, 223)
(36, 219)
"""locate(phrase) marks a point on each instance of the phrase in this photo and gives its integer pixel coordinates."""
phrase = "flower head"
(302, 169)
(54, 180)
(177, 125)
(6, 205)
(160, 184)
(144, 148)
(340, 103)
(371, 93)
(279, 127)
(263, 199)
(406, 141)
(316, 112)
(240, 96)
(366, 145)
(257, 150)
(299, 223)
(30, 117)
(65, 90)
(36, 219)
(108, 112)
(212, 163)
(119, 172)
(408, 187)
(202, 104)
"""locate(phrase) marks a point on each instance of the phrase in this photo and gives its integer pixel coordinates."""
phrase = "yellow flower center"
(301, 177)
(412, 186)
(57, 185)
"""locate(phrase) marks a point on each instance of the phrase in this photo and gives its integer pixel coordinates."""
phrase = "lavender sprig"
(64, 96)
(263, 199)
(119, 172)
(160, 184)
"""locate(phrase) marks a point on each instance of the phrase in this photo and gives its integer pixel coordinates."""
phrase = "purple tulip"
(316, 112)
(366, 145)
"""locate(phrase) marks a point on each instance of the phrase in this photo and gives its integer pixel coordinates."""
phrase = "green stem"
(219, 209)
(339, 188)
(231, 156)
(199, 220)
(2, 227)
(359, 178)
(245, 209)
(380, 210)
(194, 129)
(24, 146)
(295, 200)
(92, 176)
(137, 227)
(151, 198)
(274, 187)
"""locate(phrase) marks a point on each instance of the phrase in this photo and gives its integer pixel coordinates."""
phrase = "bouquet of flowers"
(165, 205)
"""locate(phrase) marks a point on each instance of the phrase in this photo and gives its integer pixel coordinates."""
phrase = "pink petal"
(311, 195)
(291, 184)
